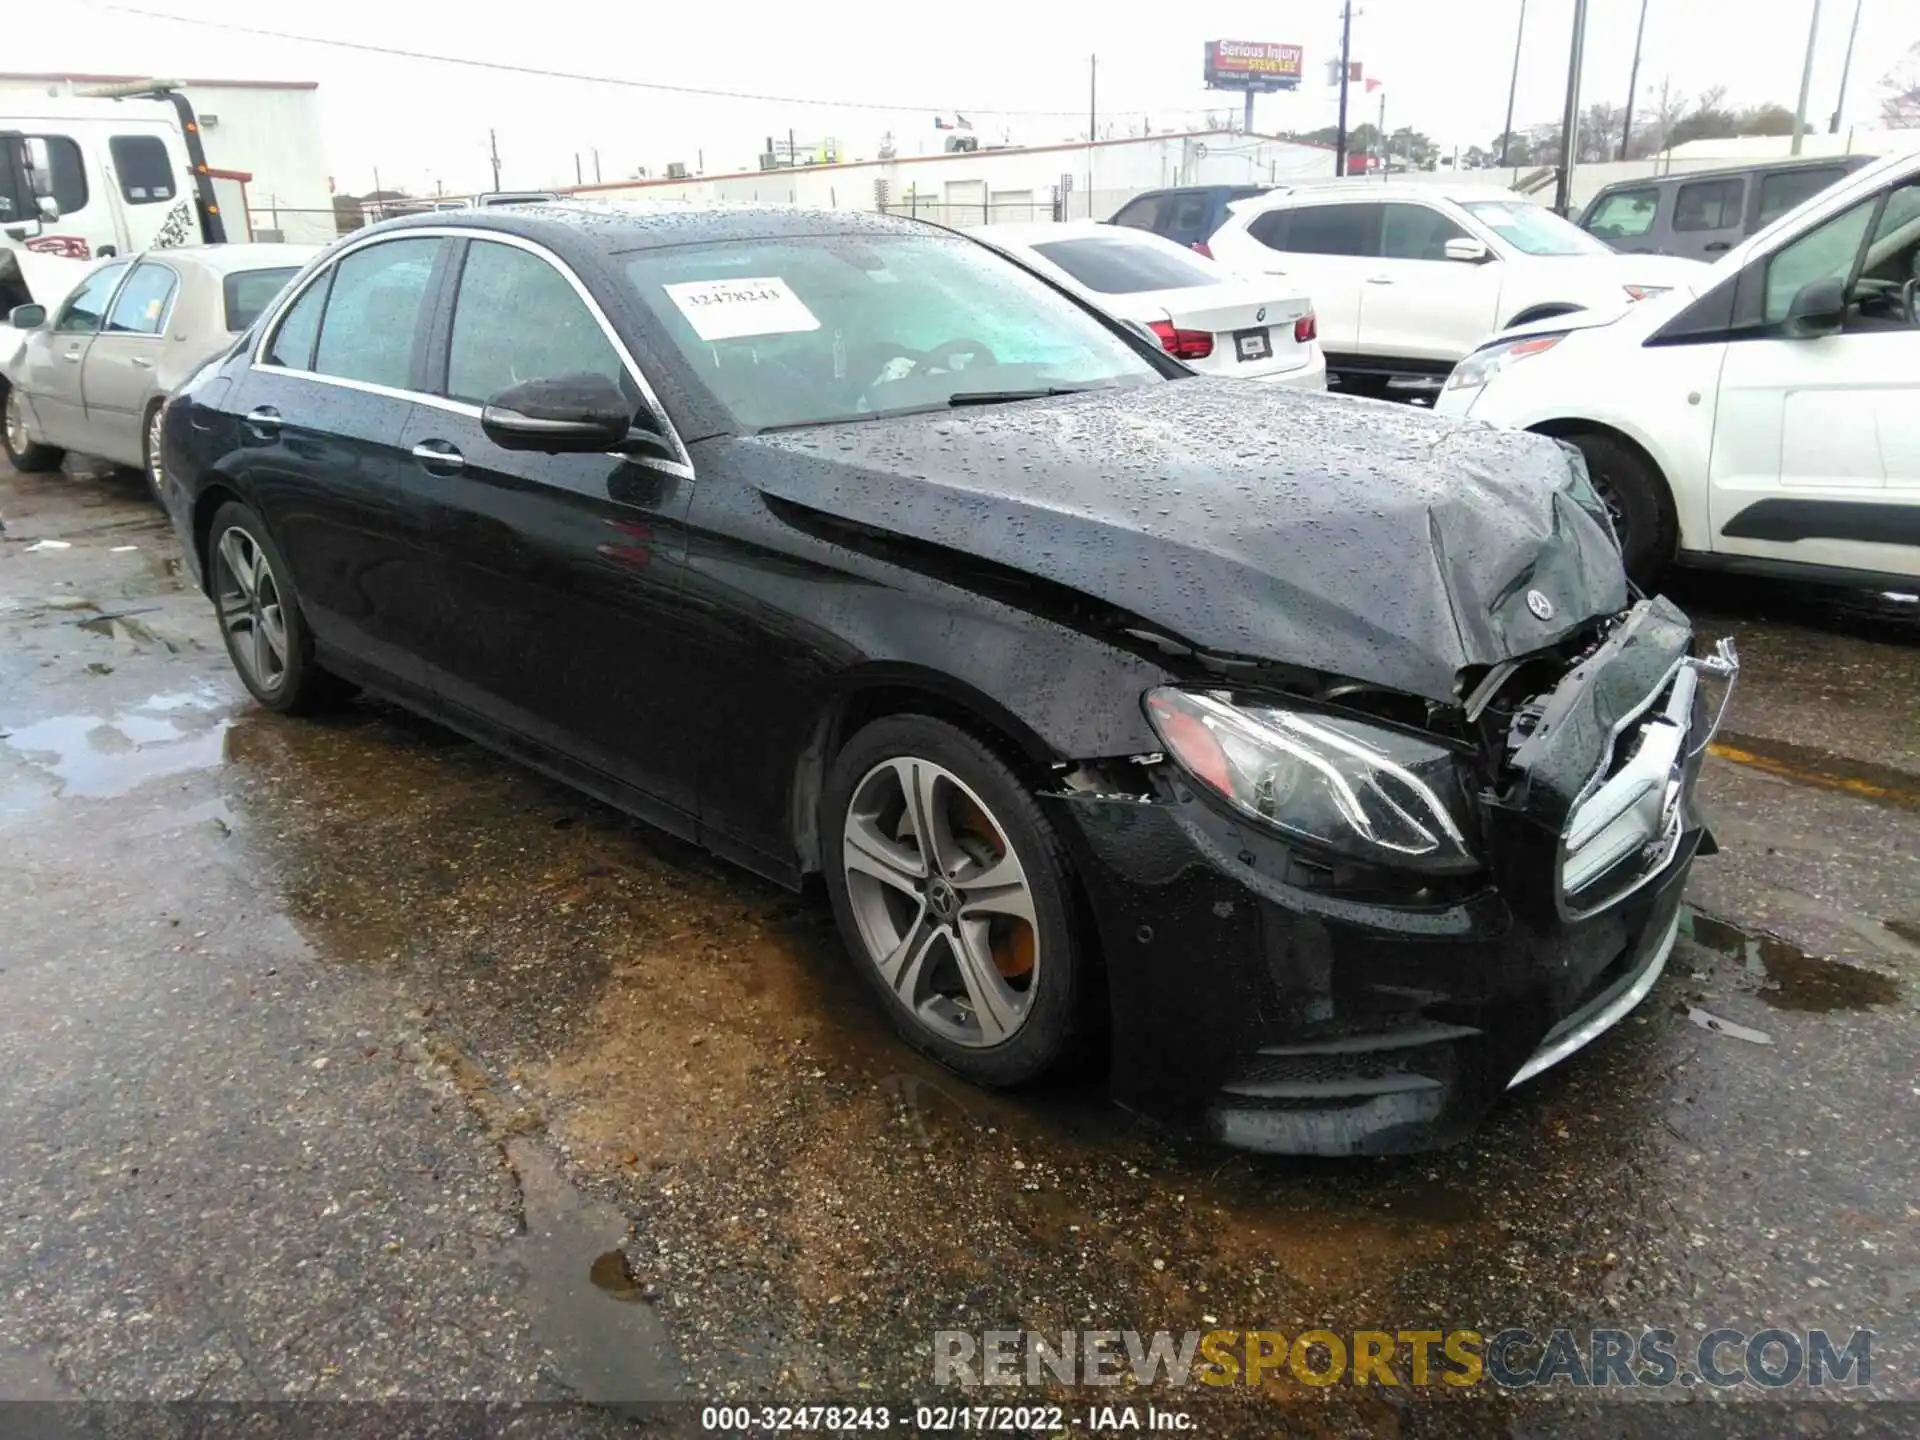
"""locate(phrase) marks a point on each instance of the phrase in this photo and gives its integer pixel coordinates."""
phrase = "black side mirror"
(560, 414)
(1820, 308)
(27, 317)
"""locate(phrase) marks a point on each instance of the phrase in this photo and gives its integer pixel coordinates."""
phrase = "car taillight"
(1201, 246)
(1305, 328)
(1182, 344)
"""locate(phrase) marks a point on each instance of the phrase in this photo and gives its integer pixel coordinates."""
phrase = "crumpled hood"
(1366, 540)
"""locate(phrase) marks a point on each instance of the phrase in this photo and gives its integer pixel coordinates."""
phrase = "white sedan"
(1216, 321)
(1766, 417)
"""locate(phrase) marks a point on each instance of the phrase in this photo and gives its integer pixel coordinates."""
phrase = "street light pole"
(1633, 81)
(1346, 51)
(1806, 81)
(1513, 86)
(1846, 68)
(1570, 121)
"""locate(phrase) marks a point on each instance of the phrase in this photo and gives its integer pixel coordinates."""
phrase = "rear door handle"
(1379, 280)
(1719, 245)
(264, 421)
(437, 457)
(72, 357)
(140, 362)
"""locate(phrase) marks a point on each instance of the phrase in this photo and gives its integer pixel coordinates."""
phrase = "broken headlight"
(1372, 793)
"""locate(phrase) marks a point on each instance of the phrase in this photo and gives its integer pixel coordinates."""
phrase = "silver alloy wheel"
(155, 429)
(941, 901)
(17, 440)
(248, 598)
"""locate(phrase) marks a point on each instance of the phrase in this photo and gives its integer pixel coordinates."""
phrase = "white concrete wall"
(1012, 184)
(274, 134)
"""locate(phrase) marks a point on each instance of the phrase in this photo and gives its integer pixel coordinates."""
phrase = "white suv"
(1406, 279)
(1766, 419)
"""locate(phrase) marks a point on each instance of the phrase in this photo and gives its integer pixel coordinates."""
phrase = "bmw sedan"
(1308, 760)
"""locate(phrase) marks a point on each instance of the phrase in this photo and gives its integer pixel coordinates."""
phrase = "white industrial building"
(1032, 182)
(265, 130)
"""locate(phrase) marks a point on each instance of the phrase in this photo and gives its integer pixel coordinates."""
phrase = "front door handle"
(72, 357)
(1718, 245)
(437, 457)
(264, 421)
(1379, 280)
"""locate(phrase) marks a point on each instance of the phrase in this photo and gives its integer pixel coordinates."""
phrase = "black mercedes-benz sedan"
(1310, 757)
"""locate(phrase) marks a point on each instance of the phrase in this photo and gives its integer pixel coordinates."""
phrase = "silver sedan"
(91, 372)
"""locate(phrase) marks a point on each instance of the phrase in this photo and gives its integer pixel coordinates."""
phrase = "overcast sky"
(1445, 64)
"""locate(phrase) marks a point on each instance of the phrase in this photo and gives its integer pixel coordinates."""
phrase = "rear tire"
(259, 614)
(150, 452)
(23, 454)
(1636, 495)
(977, 958)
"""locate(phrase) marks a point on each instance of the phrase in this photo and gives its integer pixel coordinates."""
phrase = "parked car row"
(925, 567)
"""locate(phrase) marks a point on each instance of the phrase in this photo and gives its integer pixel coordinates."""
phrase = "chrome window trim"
(66, 306)
(681, 465)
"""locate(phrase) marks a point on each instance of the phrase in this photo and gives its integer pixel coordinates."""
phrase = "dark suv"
(1704, 214)
(1188, 215)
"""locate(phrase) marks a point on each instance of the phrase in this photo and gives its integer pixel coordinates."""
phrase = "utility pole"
(1384, 151)
(578, 178)
(1570, 121)
(1633, 80)
(379, 205)
(596, 164)
(493, 146)
(1806, 81)
(1246, 120)
(1093, 122)
(1846, 67)
(1346, 69)
(1513, 85)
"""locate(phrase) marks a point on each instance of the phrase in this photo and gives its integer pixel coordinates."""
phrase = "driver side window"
(83, 314)
(517, 318)
(1890, 261)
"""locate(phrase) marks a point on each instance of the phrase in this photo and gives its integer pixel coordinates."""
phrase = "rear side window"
(1124, 267)
(1141, 214)
(1710, 204)
(83, 314)
(300, 327)
(248, 292)
(144, 167)
(373, 312)
(1781, 193)
(66, 170)
(1190, 216)
(141, 307)
(517, 318)
(1417, 232)
(1624, 214)
(1334, 230)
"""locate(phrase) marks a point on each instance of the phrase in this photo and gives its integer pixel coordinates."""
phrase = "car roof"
(620, 227)
(1723, 172)
(227, 259)
(1038, 232)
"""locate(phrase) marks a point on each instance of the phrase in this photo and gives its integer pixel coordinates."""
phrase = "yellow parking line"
(1822, 779)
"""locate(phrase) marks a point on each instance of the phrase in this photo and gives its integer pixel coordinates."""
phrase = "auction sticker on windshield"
(734, 309)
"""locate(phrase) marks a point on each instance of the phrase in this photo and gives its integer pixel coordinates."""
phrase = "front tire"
(259, 613)
(952, 892)
(1636, 495)
(22, 453)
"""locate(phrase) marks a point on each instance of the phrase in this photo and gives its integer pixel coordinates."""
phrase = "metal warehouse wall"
(271, 131)
(1005, 185)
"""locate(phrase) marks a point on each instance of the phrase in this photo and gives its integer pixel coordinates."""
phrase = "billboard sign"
(1253, 65)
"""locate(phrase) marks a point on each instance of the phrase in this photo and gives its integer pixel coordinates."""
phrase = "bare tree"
(1900, 110)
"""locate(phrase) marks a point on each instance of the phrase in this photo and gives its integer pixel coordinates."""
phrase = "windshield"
(802, 330)
(248, 292)
(1532, 229)
(1124, 266)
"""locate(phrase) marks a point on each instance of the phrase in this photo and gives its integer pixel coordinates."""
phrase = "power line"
(662, 87)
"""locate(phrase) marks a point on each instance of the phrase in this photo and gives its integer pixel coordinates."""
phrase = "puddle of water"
(1814, 983)
(1907, 930)
(1805, 765)
(106, 756)
(583, 1299)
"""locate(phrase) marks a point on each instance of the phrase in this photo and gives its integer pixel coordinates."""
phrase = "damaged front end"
(1347, 922)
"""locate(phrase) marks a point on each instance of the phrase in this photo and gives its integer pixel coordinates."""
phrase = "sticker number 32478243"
(732, 309)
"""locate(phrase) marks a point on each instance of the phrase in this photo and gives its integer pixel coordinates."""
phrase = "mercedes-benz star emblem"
(1539, 605)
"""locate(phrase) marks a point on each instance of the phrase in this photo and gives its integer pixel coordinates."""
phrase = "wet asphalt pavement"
(347, 1062)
